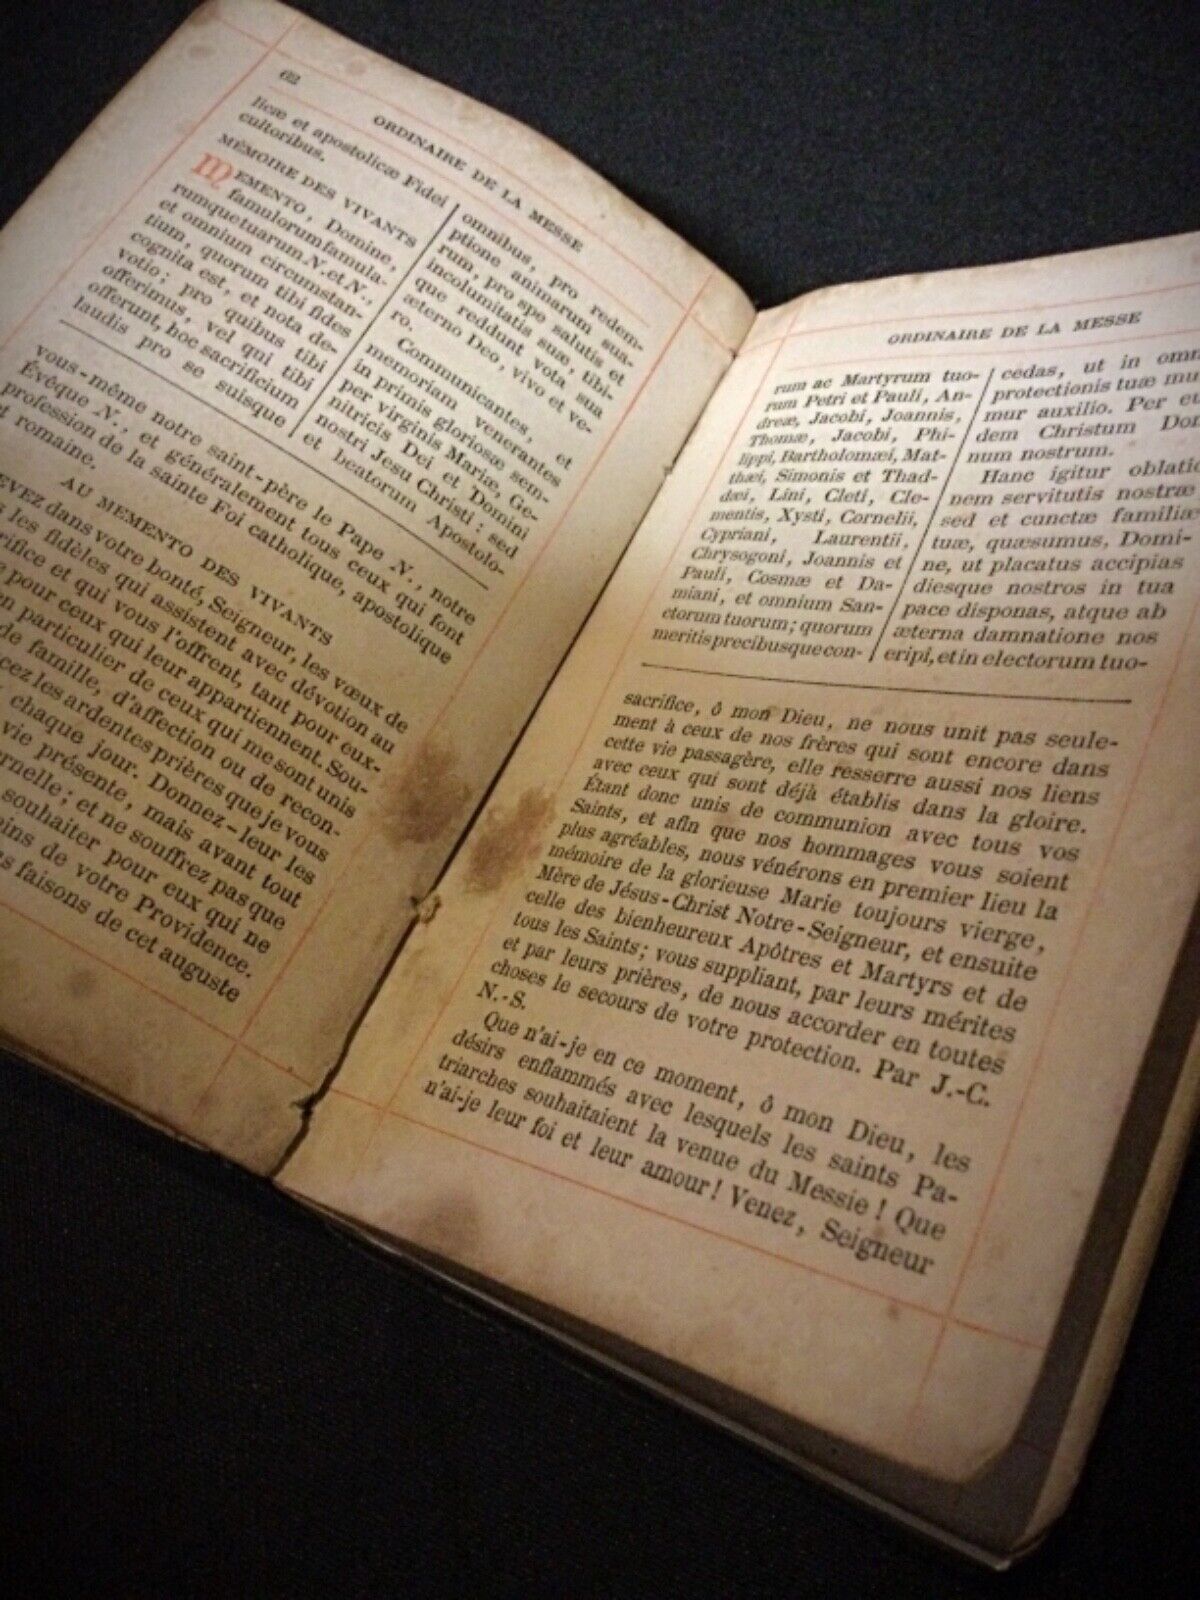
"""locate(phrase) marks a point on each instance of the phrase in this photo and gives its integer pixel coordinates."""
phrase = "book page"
(328, 399)
(780, 1012)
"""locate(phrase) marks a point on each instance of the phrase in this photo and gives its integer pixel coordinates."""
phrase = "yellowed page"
(328, 399)
(780, 1011)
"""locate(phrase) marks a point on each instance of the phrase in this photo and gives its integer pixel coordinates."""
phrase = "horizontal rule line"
(891, 688)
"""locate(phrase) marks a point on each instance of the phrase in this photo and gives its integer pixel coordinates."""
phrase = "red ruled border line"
(386, 1109)
(506, 217)
(1039, 1057)
(368, 831)
(487, 157)
(219, 16)
(140, 983)
(711, 1233)
(95, 238)
(983, 353)
(237, 1040)
(956, 316)
(588, 726)
(946, 1316)
(90, 243)
(387, 1113)
(670, 1216)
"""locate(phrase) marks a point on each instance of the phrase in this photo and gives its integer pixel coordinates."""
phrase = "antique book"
(681, 819)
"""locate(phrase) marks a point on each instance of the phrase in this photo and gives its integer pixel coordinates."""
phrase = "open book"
(683, 820)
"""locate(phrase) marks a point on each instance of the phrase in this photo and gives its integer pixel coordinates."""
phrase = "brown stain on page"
(425, 797)
(506, 841)
(451, 1226)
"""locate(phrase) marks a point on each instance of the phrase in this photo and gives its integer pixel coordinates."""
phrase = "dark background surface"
(205, 1390)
